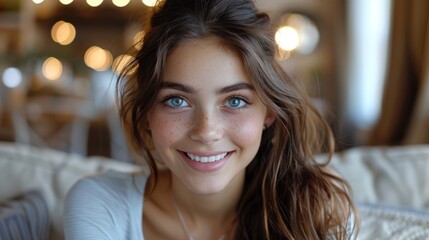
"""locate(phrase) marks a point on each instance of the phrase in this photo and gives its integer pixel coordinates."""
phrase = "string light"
(94, 3)
(149, 3)
(66, 2)
(120, 3)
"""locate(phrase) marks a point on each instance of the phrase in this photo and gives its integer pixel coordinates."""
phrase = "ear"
(270, 117)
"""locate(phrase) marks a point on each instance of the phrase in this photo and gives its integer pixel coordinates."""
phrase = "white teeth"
(206, 159)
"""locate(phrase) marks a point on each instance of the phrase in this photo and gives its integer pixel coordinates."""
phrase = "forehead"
(205, 60)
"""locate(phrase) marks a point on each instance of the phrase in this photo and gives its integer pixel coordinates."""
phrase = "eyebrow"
(234, 87)
(189, 89)
(178, 86)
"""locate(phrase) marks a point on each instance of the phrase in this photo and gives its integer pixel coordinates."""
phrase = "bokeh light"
(12, 77)
(37, 1)
(307, 32)
(66, 2)
(287, 38)
(138, 40)
(149, 3)
(297, 33)
(120, 3)
(52, 69)
(94, 3)
(63, 32)
(98, 59)
(120, 62)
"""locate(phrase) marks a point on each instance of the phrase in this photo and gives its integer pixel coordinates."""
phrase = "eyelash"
(241, 98)
(171, 96)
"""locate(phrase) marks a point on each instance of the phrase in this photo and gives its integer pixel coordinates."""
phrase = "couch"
(388, 185)
(25, 169)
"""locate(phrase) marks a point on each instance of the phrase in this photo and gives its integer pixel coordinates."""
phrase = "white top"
(106, 206)
(110, 206)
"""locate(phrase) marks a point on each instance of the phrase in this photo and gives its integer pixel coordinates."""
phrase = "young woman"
(235, 136)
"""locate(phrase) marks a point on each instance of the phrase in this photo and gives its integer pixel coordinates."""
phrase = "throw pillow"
(24, 217)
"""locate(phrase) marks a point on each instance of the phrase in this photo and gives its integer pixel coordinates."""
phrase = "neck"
(207, 212)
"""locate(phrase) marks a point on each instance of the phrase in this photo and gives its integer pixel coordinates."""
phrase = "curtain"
(404, 117)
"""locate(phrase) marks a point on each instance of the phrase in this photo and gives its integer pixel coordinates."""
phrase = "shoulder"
(101, 205)
(110, 183)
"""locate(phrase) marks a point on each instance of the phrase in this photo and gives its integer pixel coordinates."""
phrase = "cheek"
(247, 130)
(166, 130)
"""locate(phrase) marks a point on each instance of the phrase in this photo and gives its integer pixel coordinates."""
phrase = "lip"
(205, 167)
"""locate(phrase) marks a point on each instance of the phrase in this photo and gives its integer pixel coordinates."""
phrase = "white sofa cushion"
(383, 222)
(24, 168)
(396, 176)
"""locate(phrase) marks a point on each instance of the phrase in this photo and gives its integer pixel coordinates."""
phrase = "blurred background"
(364, 62)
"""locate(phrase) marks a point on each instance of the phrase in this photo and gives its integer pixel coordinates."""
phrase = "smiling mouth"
(206, 159)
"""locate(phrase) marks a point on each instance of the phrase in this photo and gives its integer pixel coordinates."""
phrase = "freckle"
(162, 121)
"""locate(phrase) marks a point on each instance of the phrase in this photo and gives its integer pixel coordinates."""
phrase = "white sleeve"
(89, 212)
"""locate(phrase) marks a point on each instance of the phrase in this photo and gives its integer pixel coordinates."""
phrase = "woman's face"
(207, 121)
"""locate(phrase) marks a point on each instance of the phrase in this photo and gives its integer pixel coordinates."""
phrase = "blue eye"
(176, 102)
(236, 102)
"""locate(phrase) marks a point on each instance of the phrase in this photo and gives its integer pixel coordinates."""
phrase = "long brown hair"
(287, 193)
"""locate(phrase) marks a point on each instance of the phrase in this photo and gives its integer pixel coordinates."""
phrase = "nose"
(207, 127)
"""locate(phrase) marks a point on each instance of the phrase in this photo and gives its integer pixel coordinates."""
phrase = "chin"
(207, 187)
